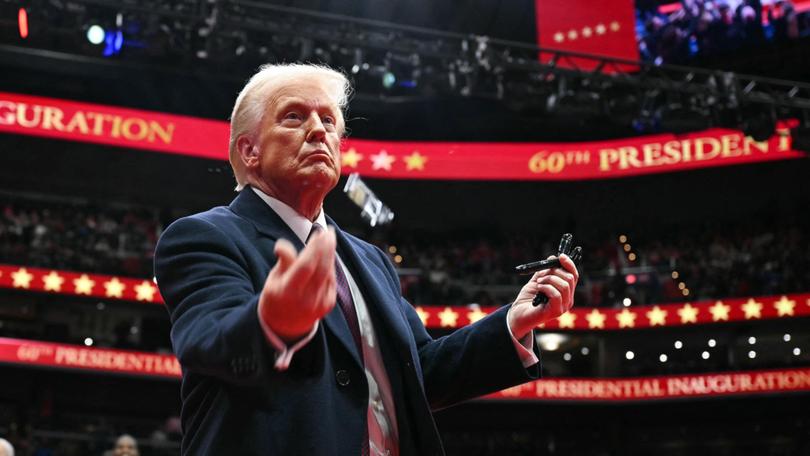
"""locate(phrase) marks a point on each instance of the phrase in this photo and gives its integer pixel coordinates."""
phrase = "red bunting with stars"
(446, 317)
(78, 284)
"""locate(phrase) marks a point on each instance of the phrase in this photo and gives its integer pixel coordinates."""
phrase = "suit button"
(342, 377)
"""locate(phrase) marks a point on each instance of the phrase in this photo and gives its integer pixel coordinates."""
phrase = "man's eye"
(329, 120)
(292, 116)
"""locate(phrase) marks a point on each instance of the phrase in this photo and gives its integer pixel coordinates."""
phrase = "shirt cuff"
(285, 353)
(524, 347)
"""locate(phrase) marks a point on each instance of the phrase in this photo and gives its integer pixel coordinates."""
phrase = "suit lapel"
(370, 277)
(250, 206)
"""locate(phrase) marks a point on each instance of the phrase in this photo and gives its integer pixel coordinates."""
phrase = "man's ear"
(248, 151)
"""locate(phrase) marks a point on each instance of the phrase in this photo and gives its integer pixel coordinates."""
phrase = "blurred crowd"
(709, 27)
(76, 236)
(667, 265)
(647, 265)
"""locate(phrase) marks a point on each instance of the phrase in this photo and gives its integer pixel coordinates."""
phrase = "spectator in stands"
(5, 448)
(125, 445)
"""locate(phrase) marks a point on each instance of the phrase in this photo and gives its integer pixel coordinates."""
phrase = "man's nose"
(315, 128)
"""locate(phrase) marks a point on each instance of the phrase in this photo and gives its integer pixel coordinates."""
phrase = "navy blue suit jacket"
(211, 268)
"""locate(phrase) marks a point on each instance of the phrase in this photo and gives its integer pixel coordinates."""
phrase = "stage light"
(398, 259)
(622, 239)
(95, 34)
(675, 275)
(585, 351)
(705, 355)
(678, 345)
(786, 337)
(632, 256)
(88, 341)
(631, 279)
(663, 358)
(567, 356)
(22, 22)
(752, 340)
(626, 301)
(627, 247)
(551, 341)
(686, 292)
(712, 342)
(797, 351)
(388, 79)
(752, 354)
(629, 355)
(681, 286)
(392, 249)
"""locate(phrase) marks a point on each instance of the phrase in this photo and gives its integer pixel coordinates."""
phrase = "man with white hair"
(5, 448)
(293, 335)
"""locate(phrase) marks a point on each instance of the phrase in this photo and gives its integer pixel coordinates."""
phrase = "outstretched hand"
(557, 283)
(301, 287)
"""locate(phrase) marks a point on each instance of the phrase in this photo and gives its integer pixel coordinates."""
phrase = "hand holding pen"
(552, 262)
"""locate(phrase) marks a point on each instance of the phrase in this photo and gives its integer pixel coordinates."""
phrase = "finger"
(320, 253)
(560, 285)
(565, 275)
(569, 266)
(285, 253)
(553, 295)
(326, 297)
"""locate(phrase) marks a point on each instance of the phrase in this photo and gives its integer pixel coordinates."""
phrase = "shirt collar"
(299, 224)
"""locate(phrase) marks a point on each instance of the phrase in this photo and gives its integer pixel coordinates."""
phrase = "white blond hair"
(251, 104)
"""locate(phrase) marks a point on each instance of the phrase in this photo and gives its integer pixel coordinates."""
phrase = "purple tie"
(344, 299)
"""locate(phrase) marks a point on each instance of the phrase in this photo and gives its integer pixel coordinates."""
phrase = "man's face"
(125, 446)
(299, 138)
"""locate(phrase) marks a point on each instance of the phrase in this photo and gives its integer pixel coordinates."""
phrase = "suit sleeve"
(473, 361)
(203, 278)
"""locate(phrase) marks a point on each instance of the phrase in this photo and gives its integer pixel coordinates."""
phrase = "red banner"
(64, 356)
(665, 387)
(448, 317)
(599, 27)
(28, 115)
(36, 353)
(79, 284)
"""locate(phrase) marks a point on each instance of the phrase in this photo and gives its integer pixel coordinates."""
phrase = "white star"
(614, 26)
(559, 37)
(601, 29)
(572, 34)
(382, 160)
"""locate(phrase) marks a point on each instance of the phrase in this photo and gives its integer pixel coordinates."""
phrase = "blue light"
(113, 41)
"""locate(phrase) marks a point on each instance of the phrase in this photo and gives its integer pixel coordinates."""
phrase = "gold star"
(567, 320)
(114, 287)
(657, 316)
(422, 315)
(145, 291)
(448, 317)
(601, 29)
(572, 34)
(587, 32)
(22, 278)
(53, 281)
(627, 319)
(559, 37)
(84, 284)
(415, 161)
(719, 311)
(752, 309)
(596, 319)
(784, 306)
(614, 26)
(688, 313)
(476, 315)
(350, 158)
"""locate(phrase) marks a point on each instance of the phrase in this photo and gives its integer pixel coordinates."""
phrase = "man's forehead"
(308, 94)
